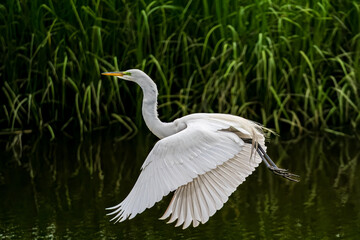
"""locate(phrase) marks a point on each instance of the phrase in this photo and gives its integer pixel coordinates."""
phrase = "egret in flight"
(203, 157)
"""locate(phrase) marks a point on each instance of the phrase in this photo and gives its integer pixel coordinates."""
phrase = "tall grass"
(291, 65)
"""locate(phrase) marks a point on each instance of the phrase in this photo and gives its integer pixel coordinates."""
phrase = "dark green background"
(290, 65)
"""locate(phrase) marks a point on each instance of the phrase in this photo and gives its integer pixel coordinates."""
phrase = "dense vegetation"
(290, 65)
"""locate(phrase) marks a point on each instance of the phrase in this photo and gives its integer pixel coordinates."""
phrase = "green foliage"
(291, 65)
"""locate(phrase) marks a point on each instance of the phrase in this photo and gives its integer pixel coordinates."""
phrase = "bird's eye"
(127, 73)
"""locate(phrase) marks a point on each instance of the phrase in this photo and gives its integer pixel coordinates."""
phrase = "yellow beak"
(117, 74)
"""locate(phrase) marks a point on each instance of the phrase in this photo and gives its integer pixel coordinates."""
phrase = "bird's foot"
(285, 174)
(271, 165)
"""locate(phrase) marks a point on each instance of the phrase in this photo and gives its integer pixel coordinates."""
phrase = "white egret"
(203, 157)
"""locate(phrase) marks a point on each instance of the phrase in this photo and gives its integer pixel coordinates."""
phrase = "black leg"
(271, 165)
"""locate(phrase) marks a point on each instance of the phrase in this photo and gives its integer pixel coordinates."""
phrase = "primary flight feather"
(203, 157)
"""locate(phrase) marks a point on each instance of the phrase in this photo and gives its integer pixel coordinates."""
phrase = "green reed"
(290, 65)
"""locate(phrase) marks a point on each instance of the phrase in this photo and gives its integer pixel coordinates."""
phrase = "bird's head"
(133, 75)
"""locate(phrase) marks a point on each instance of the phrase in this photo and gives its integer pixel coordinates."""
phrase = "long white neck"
(149, 110)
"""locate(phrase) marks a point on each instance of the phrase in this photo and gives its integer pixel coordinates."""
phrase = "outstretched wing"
(176, 161)
(198, 200)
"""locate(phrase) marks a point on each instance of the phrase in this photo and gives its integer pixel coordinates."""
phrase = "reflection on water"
(61, 189)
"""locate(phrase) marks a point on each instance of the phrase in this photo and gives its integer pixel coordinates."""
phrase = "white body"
(202, 157)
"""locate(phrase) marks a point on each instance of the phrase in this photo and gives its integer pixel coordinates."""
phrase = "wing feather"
(189, 216)
(207, 197)
(204, 209)
(177, 206)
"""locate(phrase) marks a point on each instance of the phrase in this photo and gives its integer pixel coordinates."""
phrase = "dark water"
(59, 190)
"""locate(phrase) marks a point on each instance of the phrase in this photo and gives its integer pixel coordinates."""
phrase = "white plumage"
(202, 157)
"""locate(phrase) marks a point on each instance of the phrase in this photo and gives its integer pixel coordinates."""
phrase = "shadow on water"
(60, 190)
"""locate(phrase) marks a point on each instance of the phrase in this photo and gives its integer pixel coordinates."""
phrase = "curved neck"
(149, 110)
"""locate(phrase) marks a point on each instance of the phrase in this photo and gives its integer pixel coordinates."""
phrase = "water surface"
(60, 189)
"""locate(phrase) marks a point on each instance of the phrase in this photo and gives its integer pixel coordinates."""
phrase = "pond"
(60, 189)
